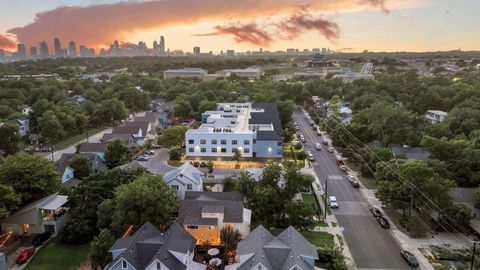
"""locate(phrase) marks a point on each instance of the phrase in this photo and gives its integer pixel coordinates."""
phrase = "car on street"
(319, 133)
(312, 123)
(156, 146)
(325, 142)
(353, 181)
(409, 258)
(383, 222)
(143, 158)
(297, 128)
(150, 152)
(303, 139)
(342, 167)
(311, 157)
(330, 150)
(41, 238)
(332, 202)
(375, 211)
(203, 164)
(318, 146)
(25, 255)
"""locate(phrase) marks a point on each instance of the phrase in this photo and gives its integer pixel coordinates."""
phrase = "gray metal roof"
(269, 116)
(286, 250)
(186, 170)
(265, 135)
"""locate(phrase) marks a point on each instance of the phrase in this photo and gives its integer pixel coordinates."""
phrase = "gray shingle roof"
(92, 147)
(186, 170)
(195, 202)
(67, 158)
(411, 153)
(289, 248)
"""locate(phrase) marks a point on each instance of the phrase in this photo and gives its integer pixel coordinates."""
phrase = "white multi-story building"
(250, 73)
(185, 73)
(435, 116)
(254, 129)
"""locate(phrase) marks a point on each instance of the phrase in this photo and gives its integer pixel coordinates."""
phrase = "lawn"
(175, 163)
(76, 139)
(55, 255)
(319, 239)
(308, 198)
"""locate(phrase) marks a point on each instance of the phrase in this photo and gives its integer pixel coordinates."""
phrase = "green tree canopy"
(9, 139)
(82, 167)
(173, 136)
(99, 254)
(117, 153)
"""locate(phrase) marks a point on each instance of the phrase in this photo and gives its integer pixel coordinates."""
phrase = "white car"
(143, 158)
(350, 177)
(330, 150)
(318, 146)
(332, 202)
(311, 157)
(343, 167)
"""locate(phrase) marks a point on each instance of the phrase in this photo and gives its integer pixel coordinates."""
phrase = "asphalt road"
(372, 247)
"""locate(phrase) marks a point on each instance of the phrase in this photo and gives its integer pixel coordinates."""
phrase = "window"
(224, 150)
(233, 150)
(191, 150)
(246, 142)
(254, 141)
(124, 264)
(234, 142)
(189, 186)
(214, 141)
(192, 227)
(202, 141)
(175, 187)
(246, 150)
(223, 141)
(279, 143)
(203, 150)
(191, 141)
(158, 266)
(214, 150)
(279, 152)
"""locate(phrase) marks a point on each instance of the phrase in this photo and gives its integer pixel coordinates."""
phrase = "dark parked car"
(203, 164)
(409, 258)
(383, 222)
(41, 238)
(25, 255)
(375, 211)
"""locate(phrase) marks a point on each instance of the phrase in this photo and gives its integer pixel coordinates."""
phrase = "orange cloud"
(99, 25)
(300, 21)
(378, 4)
(6, 43)
(244, 33)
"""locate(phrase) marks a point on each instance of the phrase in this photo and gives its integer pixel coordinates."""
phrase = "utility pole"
(325, 200)
(51, 150)
(87, 136)
(473, 254)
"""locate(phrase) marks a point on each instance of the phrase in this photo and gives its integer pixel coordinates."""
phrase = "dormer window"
(158, 266)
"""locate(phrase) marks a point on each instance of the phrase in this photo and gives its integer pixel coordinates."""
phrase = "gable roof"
(137, 124)
(111, 136)
(67, 158)
(148, 244)
(281, 252)
(187, 171)
(126, 130)
(196, 202)
(92, 147)
(53, 201)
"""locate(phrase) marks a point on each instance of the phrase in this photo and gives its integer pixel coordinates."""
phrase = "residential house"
(48, 214)
(410, 153)
(68, 173)
(288, 251)
(126, 138)
(97, 148)
(26, 110)
(205, 214)
(150, 249)
(184, 178)
(132, 133)
(435, 116)
(23, 125)
(79, 99)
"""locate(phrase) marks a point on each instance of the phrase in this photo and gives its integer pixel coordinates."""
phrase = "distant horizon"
(247, 25)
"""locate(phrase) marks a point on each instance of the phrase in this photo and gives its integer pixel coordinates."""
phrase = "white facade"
(186, 73)
(435, 116)
(250, 73)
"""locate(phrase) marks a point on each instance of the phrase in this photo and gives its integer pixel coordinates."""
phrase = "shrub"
(175, 154)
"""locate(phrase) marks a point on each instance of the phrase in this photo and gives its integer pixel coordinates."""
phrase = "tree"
(173, 136)
(245, 183)
(147, 198)
(175, 153)
(182, 108)
(210, 166)
(133, 99)
(271, 175)
(9, 139)
(117, 153)
(228, 184)
(229, 238)
(300, 215)
(285, 109)
(9, 201)
(112, 110)
(458, 214)
(31, 176)
(51, 129)
(206, 105)
(237, 156)
(77, 231)
(99, 254)
(82, 167)
(332, 259)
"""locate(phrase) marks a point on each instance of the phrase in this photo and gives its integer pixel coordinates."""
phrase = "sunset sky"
(349, 25)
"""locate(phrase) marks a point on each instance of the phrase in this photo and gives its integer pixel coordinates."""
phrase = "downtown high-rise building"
(2, 54)
(58, 48)
(43, 50)
(33, 53)
(196, 51)
(162, 45)
(21, 51)
(72, 49)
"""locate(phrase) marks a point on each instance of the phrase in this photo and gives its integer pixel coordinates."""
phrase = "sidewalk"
(337, 230)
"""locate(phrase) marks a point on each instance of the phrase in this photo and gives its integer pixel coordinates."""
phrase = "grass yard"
(308, 198)
(175, 163)
(55, 255)
(75, 139)
(319, 239)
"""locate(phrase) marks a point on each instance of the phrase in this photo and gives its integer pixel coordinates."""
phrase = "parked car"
(325, 142)
(319, 133)
(343, 167)
(383, 222)
(233, 175)
(375, 211)
(409, 258)
(203, 164)
(330, 150)
(41, 238)
(25, 255)
(353, 181)
(303, 139)
(311, 157)
(150, 152)
(297, 128)
(156, 146)
(312, 123)
(318, 146)
(143, 158)
(332, 202)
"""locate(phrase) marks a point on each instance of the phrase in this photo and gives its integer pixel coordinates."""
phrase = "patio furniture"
(213, 252)
(215, 261)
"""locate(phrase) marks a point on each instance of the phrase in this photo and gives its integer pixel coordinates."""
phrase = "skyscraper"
(2, 54)
(196, 51)
(33, 52)
(162, 45)
(72, 49)
(21, 51)
(43, 50)
(58, 48)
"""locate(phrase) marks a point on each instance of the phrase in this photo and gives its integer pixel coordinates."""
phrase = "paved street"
(371, 246)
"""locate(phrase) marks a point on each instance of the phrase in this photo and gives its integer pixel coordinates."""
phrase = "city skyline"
(346, 25)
